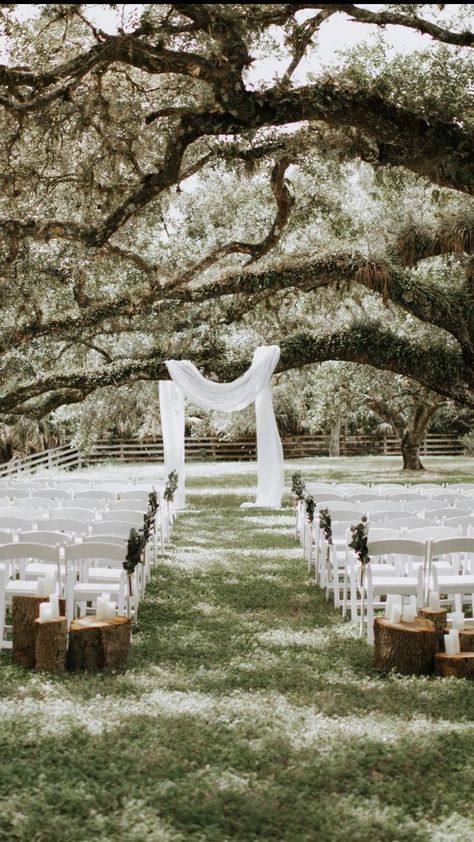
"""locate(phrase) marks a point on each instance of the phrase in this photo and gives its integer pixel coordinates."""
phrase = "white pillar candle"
(451, 642)
(409, 614)
(54, 603)
(45, 613)
(434, 601)
(457, 620)
(396, 614)
(110, 610)
(40, 590)
(101, 608)
(49, 584)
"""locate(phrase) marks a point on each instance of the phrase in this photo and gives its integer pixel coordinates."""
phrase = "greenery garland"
(135, 546)
(325, 524)
(310, 506)
(171, 486)
(359, 542)
(297, 486)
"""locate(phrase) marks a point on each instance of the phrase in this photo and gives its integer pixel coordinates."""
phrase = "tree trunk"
(410, 445)
(335, 439)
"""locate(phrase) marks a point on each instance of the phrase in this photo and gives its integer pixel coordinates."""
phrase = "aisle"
(250, 711)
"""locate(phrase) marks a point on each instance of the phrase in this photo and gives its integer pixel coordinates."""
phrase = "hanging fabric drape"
(252, 387)
(172, 426)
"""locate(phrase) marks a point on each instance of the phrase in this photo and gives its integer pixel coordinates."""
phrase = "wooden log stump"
(50, 645)
(459, 666)
(408, 648)
(98, 644)
(438, 616)
(466, 639)
(25, 610)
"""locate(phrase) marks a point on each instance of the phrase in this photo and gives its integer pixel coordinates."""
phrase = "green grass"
(249, 711)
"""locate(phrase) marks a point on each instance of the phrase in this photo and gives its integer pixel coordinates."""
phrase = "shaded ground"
(250, 709)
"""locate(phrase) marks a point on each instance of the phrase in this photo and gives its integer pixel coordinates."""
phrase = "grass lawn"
(250, 710)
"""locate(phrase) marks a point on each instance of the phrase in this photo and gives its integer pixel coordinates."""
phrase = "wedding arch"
(254, 386)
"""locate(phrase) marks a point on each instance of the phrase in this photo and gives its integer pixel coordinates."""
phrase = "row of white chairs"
(413, 574)
(82, 545)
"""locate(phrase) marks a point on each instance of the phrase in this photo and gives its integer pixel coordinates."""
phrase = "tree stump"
(459, 666)
(97, 644)
(438, 616)
(50, 645)
(25, 610)
(409, 648)
(466, 639)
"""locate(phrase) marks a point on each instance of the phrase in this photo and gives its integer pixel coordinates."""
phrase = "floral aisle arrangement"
(171, 486)
(298, 487)
(359, 544)
(325, 526)
(137, 541)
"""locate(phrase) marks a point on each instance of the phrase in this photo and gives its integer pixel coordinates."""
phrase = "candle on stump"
(457, 618)
(110, 610)
(49, 584)
(434, 601)
(408, 614)
(102, 606)
(54, 603)
(451, 642)
(396, 614)
(40, 588)
(45, 612)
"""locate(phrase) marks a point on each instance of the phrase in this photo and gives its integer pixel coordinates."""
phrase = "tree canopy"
(162, 196)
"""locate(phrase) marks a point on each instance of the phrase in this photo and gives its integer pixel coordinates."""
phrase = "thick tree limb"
(437, 369)
(385, 18)
(285, 203)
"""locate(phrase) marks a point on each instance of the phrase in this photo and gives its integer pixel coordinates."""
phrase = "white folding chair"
(85, 580)
(14, 559)
(396, 552)
(459, 584)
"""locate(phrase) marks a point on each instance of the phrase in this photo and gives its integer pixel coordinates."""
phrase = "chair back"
(64, 524)
(398, 546)
(51, 494)
(94, 494)
(382, 506)
(432, 533)
(135, 495)
(78, 513)
(127, 516)
(128, 505)
(43, 536)
(14, 522)
(111, 527)
(349, 513)
(116, 540)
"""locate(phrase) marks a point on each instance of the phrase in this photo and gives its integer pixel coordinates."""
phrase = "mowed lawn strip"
(250, 709)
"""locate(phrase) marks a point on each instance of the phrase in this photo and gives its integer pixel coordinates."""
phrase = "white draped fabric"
(172, 426)
(252, 387)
